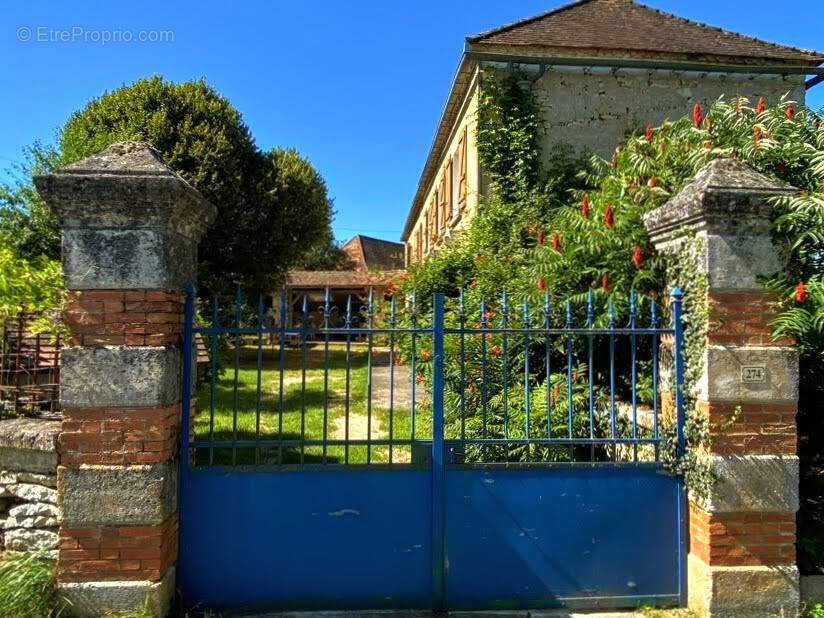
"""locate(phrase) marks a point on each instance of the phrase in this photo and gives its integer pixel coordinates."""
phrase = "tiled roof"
(381, 254)
(623, 25)
(328, 278)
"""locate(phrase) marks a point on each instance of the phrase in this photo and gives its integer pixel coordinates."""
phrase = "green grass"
(303, 409)
(28, 586)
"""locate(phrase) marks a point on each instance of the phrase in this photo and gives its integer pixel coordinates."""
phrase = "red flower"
(637, 257)
(648, 134)
(613, 161)
(496, 350)
(585, 205)
(707, 145)
(652, 182)
(822, 186)
(605, 282)
(757, 135)
(541, 284)
(790, 111)
(609, 217)
(696, 115)
(759, 108)
(541, 237)
(800, 292)
(556, 242)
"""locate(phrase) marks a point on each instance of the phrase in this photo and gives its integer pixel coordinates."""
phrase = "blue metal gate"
(316, 476)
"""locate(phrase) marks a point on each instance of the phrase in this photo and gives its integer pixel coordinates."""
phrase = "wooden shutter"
(462, 166)
(433, 223)
(444, 200)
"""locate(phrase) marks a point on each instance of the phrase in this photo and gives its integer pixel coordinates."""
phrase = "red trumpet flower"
(652, 182)
(609, 217)
(605, 282)
(757, 135)
(759, 107)
(800, 292)
(637, 257)
(541, 284)
(585, 205)
(556, 242)
(696, 115)
(648, 134)
(541, 237)
(790, 111)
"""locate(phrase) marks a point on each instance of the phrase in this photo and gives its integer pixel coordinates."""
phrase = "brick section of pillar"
(130, 233)
(742, 538)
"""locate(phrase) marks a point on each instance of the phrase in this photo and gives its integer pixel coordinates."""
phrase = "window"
(446, 197)
(454, 181)
(426, 231)
(409, 253)
(433, 224)
(462, 175)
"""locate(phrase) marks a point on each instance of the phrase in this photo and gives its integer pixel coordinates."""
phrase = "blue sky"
(356, 86)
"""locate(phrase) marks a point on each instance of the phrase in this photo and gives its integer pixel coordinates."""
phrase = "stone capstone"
(94, 599)
(32, 515)
(119, 376)
(29, 492)
(117, 495)
(23, 539)
(28, 445)
(47, 480)
(754, 483)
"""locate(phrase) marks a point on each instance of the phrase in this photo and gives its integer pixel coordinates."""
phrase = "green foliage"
(508, 134)
(816, 611)
(35, 285)
(27, 225)
(28, 586)
(272, 206)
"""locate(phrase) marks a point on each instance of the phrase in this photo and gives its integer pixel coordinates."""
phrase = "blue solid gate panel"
(563, 536)
(331, 539)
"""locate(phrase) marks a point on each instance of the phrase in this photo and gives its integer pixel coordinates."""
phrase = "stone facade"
(592, 109)
(742, 538)
(28, 481)
(130, 233)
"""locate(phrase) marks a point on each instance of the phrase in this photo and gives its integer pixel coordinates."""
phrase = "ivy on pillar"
(130, 232)
(742, 537)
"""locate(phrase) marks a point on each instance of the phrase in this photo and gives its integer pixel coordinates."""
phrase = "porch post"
(130, 233)
(742, 538)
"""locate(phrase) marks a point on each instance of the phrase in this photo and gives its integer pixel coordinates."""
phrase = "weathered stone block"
(735, 262)
(125, 259)
(28, 445)
(724, 379)
(742, 592)
(47, 480)
(29, 492)
(94, 599)
(33, 515)
(754, 483)
(119, 376)
(812, 589)
(117, 495)
(22, 539)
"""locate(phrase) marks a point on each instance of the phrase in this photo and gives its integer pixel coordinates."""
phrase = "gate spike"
(568, 314)
(590, 310)
(546, 310)
(632, 308)
(347, 322)
(461, 307)
(526, 313)
(326, 309)
(504, 316)
(392, 312)
(653, 315)
(611, 314)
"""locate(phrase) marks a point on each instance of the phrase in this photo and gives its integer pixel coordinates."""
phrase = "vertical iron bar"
(370, 315)
(505, 372)
(483, 377)
(326, 312)
(526, 378)
(237, 369)
(654, 325)
(569, 372)
(304, 328)
(348, 325)
(438, 490)
(548, 379)
(678, 326)
(186, 384)
(281, 368)
(611, 320)
(391, 374)
(462, 320)
(259, 372)
(213, 379)
(634, 368)
(413, 377)
(591, 324)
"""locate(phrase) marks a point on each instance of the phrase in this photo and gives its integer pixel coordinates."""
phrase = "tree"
(272, 206)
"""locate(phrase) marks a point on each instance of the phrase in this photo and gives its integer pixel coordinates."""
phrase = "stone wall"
(28, 484)
(594, 108)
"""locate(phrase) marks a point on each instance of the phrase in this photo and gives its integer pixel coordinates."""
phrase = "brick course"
(742, 318)
(760, 428)
(119, 436)
(742, 539)
(125, 317)
(123, 553)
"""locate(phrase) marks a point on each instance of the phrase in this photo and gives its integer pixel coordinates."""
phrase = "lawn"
(307, 389)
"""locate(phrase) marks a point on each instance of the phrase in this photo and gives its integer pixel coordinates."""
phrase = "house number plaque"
(754, 374)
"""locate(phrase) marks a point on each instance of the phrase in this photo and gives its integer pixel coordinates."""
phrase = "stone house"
(598, 70)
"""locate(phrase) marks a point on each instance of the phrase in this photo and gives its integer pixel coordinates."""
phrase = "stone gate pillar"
(742, 539)
(130, 233)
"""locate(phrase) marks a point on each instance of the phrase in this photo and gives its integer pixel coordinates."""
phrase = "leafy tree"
(36, 286)
(272, 206)
(327, 256)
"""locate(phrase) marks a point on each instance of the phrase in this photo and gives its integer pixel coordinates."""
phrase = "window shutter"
(462, 178)
(444, 201)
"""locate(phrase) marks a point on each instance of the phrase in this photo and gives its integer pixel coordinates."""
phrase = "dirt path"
(359, 430)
